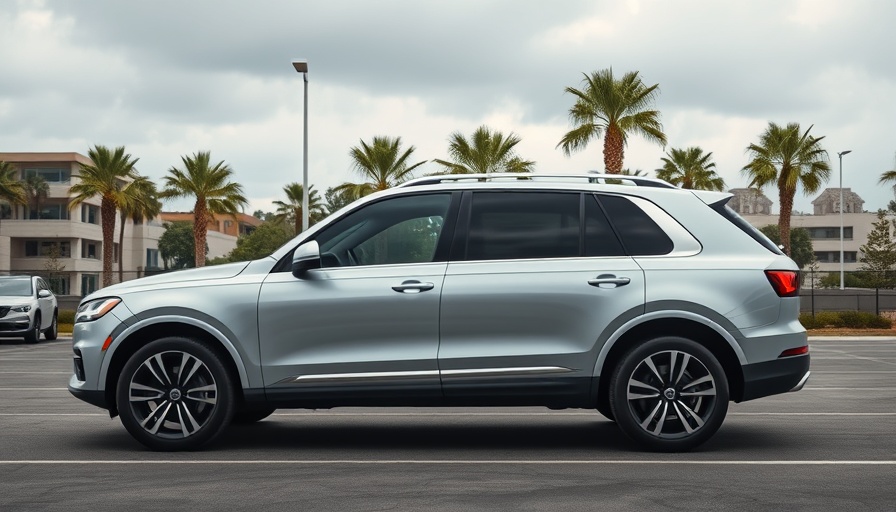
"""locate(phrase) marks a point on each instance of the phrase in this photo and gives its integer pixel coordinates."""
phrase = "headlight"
(21, 309)
(95, 309)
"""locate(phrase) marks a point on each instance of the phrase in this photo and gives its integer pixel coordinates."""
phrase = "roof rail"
(591, 176)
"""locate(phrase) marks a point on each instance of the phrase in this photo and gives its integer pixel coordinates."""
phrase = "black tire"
(153, 380)
(677, 378)
(52, 331)
(249, 416)
(33, 335)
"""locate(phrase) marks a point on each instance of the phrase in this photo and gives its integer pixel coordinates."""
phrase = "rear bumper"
(774, 377)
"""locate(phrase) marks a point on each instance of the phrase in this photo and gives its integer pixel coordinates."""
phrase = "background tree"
(214, 192)
(177, 247)
(110, 170)
(690, 168)
(800, 242)
(486, 152)
(879, 254)
(139, 202)
(37, 189)
(612, 109)
(382, 164)
(890, 178)
(266, 238)
(789, 158)
(290, 211)
(335, 200)
(11, 188)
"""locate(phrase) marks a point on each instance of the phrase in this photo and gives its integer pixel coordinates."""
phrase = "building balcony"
(43, 228)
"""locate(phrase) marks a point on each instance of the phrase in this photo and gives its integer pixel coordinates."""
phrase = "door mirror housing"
(305, 258)
(44, 294)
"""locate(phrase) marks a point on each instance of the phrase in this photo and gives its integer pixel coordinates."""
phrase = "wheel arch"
(672, 323)
(127, 343)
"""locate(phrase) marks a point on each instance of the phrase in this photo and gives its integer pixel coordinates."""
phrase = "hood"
(15, 300)
(176, 276)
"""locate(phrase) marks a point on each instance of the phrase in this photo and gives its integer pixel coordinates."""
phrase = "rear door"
(535, 277)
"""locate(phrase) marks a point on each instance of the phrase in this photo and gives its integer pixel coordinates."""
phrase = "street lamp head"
(301, 65)
(848, 151)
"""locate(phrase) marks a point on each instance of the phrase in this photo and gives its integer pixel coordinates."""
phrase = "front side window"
(398, 230)
(523, 225)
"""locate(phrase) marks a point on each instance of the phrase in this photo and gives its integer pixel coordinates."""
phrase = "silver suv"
(654, 305)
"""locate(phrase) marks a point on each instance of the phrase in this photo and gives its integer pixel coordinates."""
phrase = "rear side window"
(599, 237)
(640, 235)
(726, 211)
(521, 225)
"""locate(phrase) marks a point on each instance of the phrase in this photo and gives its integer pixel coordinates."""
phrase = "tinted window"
(640, 234)
(397, 230)
(511, 225)
(599, 237)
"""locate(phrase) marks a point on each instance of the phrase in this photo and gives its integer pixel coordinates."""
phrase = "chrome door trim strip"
(500, 372)
(365, 377)
(469, 372)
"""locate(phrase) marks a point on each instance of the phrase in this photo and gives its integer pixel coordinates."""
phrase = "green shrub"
(850, 319)
(66, 316)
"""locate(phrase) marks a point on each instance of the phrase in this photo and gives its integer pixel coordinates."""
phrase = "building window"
(50, 175)
(59, 284)
(90, 214)
(834, 256)
(90, 250)
(46, 248)
(152, 258)
(49, 212)
(89, 283)
(827, 233)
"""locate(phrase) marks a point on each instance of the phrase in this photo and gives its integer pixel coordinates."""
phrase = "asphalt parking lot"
(832, 446)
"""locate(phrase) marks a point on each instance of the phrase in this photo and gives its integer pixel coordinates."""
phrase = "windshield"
(16, 287)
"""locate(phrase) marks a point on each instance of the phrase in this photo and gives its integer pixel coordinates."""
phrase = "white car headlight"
(95, 309)
(21, 309)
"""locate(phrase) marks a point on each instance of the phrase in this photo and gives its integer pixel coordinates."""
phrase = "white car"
(27, 308)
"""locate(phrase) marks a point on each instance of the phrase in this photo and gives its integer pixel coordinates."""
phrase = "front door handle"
(609, 281)
(413, 287)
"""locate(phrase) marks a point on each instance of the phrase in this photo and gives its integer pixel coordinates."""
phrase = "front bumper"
(773, 377)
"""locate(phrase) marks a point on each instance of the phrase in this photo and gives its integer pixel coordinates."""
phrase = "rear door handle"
(413, 287)
(609, 281)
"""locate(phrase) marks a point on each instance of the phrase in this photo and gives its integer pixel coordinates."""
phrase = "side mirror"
(44, 294)
(305, 258)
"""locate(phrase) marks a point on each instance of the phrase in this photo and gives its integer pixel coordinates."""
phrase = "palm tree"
(789, 158)
(690, 168)
(382, 164)
(887, 176)
(291, 211)
(11, 188)
(139, 202)
(612, 109)
(110, 172)
(214, 193)
(484, 153)
(37, 189)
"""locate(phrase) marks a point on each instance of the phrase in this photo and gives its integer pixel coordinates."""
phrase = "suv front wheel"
(669, 394)
(174, 394)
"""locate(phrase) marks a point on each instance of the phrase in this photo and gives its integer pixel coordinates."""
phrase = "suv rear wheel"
(174, 394)
(669, 394)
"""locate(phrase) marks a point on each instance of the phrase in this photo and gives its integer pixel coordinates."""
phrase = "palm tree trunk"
(614, 150)
(200, 229)
(786, 198)
(107, 213)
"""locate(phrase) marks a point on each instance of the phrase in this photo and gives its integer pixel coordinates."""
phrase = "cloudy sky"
(169, 78)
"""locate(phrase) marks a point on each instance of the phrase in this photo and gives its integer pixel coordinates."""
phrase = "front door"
(365, 325)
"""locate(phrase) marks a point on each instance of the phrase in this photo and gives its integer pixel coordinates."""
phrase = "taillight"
(785, 282)
(799, 351)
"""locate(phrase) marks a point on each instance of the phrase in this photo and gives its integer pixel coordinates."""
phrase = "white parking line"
(464, 462)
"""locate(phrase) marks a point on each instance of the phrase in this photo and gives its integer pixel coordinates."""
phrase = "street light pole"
(301, 66)
(840, 155)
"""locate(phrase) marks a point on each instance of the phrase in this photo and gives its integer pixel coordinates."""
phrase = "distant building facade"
(65, 244)
(823, 226)
(222, 232)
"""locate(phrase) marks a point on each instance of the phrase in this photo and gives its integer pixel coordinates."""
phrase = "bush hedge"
(66, 316)
(847, 319)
